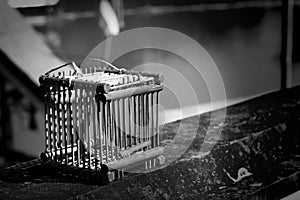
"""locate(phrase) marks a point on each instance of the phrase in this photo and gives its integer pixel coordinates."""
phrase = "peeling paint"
(242, 173)
(245, 147)
(200, 155)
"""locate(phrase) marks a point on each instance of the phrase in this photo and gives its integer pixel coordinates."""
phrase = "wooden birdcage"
(101, 115)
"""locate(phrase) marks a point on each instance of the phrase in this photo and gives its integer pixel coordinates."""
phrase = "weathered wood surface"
(261, 136)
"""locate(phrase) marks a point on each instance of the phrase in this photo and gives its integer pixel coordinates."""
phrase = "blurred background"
(254, 43)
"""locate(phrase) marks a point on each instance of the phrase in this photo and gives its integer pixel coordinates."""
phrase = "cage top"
(104, 78)
(113, 79)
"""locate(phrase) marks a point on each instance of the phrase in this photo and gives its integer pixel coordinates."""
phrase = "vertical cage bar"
(129, 122)
(147, 117)
(75, 112)
(152, 121)
(55, 123)
(100, 124)
(110, 127)
(140, 118)
(105, 131)
(119, 124)
(95, 128)
(51, 121)
(113, 129)
(64, 120)
(88, 125)
(116, 136)
(143, 117)
(134, 119)
(124, 123)
(81, 126)
(59, 123)
(51, 124)
(70, 125)
(48, 117)
(85, 132)
(46, 120)
(108, 131)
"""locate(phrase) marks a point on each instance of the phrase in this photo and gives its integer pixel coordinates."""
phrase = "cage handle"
(122, 70)
(77, 70)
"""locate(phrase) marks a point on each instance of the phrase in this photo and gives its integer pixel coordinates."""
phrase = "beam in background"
(153, 10)
(286, 43)
(201, 7)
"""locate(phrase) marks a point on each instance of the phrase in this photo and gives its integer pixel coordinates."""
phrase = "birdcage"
(101, 115)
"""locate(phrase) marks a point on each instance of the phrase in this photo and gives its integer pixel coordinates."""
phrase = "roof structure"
(23, 46)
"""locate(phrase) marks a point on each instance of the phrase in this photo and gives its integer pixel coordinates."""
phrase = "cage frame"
(63, 82)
